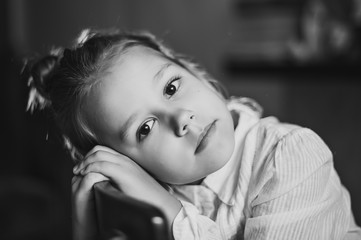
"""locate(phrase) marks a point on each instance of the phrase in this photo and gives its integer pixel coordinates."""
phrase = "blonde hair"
(61, 80)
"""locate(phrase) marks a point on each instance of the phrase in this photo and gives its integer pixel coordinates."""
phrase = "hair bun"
(83, 37)
(39, 82)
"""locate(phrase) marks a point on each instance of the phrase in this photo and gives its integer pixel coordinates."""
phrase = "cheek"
(211, 102)
(224, 143)
(162, 155)
(228, 135)
(226, 147)
(169, 161)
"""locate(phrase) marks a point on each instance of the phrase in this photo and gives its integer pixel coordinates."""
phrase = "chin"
(186, 181)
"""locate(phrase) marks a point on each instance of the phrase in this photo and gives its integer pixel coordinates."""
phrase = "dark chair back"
(121, 217)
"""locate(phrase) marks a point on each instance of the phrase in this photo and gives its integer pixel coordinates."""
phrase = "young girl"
(161, 130)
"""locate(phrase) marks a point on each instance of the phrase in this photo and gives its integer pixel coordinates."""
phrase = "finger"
(115, 172)
(74, 178)
(87, 182)
(91, 178)
(98, 156)
(75, 181)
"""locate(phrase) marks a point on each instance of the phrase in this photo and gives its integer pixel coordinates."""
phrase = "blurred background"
(300, 59)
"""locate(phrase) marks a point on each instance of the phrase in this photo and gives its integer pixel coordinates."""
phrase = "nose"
(182, 120)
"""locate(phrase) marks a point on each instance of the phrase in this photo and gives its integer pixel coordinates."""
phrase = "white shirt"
(280, 183)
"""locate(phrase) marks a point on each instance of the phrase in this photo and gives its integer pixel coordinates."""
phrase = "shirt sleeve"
(302, 197)
(189, 224)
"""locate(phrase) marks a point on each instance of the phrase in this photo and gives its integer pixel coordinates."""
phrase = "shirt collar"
(224, 181)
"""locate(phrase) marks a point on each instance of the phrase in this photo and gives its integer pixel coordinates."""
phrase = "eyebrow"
(161, 71)
(124, 130)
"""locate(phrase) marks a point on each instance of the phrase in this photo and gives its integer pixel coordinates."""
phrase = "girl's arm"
(303, 197)
(130, 178)
(83, 211)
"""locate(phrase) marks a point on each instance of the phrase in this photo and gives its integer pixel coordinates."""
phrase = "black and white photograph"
(180, 120)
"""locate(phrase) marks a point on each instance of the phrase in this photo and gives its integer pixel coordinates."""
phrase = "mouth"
(204, 137)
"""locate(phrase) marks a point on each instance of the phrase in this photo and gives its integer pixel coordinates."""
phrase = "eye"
(172, 86)
(145, 129)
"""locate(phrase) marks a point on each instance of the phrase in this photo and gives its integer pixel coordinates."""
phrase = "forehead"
(133, 58)
(131, 73)
(124, 89)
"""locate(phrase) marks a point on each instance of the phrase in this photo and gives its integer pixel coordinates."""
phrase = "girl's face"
(174, 125)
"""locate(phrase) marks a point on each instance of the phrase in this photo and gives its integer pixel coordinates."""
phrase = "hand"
(129, 177)
(84, 220)
(123, 172)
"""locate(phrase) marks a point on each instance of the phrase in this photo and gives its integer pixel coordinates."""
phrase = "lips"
(203, 138)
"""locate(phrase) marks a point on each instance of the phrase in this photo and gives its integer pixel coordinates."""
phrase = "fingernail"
(75, 168)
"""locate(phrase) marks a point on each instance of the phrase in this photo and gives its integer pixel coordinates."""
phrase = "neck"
(197, 182)
(235, 117)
